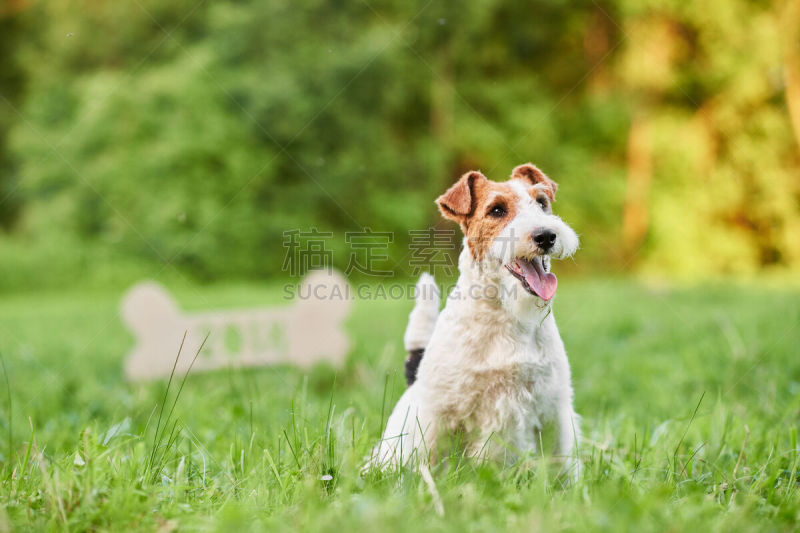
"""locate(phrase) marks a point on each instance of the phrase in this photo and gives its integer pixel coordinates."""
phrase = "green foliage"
(725, 159)
(188, 136)
(248, 449)
(12, 83)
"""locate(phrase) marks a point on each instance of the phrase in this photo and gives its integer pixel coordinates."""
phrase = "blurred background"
(183, 138)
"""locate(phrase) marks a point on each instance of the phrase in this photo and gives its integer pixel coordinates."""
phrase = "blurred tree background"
(147, 136)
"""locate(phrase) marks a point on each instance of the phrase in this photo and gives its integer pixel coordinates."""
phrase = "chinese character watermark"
(306, 250)
(365, 251)
(431, 248)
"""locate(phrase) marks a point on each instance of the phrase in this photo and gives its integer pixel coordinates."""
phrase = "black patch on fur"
(412, 363)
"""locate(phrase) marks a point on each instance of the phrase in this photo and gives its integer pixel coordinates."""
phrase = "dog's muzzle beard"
(534, 276)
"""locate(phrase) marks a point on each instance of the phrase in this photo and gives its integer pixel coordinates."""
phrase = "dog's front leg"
(569, 433)
(409, 436)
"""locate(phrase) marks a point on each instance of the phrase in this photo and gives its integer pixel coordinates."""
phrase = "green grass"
(249, 447)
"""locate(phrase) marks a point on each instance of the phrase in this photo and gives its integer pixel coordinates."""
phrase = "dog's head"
(510, 226)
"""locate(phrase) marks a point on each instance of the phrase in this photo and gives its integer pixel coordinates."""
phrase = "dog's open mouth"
(534, 277)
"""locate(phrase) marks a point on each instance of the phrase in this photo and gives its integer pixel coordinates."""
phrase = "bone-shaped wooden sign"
(309, 330)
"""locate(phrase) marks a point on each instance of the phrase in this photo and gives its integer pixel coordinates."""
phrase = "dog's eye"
(543, 202)
(498, 211)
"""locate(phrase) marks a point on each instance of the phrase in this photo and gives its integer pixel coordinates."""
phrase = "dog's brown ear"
(459, 201)
(531, 173)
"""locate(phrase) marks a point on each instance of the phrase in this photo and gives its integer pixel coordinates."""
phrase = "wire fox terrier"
(491, 366)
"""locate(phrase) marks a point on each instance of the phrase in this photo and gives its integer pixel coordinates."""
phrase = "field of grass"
(690, 400)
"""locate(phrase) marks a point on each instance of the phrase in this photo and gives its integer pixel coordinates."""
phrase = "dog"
(491, 367)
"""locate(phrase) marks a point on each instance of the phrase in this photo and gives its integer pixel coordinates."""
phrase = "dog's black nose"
(544, 238)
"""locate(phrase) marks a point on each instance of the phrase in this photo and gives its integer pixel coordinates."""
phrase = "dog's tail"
(421, 322)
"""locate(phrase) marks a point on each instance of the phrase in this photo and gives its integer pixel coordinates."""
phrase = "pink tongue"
(543, 283)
